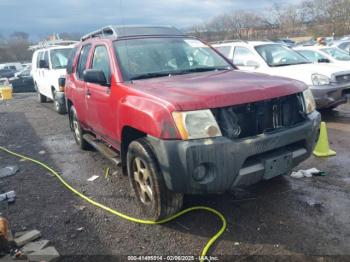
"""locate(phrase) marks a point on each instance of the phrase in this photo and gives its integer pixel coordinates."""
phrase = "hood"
(303, 72)
(216, 89)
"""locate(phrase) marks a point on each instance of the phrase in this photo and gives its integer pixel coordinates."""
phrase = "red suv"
(179, 118)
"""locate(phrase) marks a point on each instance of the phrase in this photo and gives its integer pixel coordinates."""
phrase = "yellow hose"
(133, 219)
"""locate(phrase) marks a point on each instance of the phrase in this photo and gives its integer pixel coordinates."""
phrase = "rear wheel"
(60, 108)
(155, 199)
(78, 130)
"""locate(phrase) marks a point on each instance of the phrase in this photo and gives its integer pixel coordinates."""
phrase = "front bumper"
(231, 163)
(331, 95)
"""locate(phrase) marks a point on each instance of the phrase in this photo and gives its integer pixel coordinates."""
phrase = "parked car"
(23, 81)
(13, 66)
(7, 73)
(48, 64)
(325, 80)
(26, 70)
(309, 42)
(179, 117)
(325, 54)
(285, 41)
(343, 44)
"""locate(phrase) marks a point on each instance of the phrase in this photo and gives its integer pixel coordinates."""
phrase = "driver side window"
(101, 62)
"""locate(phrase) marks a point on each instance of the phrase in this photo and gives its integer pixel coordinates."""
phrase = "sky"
(40, 18)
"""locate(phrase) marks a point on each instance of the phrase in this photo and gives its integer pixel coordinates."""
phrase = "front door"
(80, 85)
(98, 99)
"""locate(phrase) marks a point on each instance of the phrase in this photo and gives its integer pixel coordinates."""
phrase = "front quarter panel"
(147, 115)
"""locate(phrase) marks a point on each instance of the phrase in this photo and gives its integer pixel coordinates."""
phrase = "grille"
(260, 117)
(342, 78)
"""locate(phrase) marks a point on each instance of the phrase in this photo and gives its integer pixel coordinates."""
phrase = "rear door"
(98, 99)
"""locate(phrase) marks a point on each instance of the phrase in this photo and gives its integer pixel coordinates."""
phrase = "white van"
(48, 65)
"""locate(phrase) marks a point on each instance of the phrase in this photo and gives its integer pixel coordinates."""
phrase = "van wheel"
(41, 98)
(78, 131)
(155, 199)
(60, 108)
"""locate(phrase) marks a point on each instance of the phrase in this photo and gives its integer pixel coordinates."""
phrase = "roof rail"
(228, 41)
(51, 43)
(105, 31)
(121, 31)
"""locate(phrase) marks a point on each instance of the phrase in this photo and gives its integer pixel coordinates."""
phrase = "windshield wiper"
(150, 75)
(199, 69)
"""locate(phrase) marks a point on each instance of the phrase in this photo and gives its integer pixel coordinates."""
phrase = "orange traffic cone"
(322, 147)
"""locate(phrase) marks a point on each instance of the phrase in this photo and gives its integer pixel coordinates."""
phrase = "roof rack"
(52, 43)
(228, 41)
(105, 31)
(133, 30)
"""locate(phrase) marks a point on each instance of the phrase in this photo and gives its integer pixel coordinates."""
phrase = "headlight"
(320, 80)
(309, 101)
(196, 124)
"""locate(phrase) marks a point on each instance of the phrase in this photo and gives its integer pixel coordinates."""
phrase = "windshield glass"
(156, 57)
(337, 54)
(279, 55)
(59, 57)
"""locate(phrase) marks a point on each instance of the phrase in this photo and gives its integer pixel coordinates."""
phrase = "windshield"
(279, 55)
(156, 57)
(337, 54)
(59, 57)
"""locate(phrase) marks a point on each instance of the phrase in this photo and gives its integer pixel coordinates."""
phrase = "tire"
(155, 199)
(78, 131)
(61, 109)
(41, 98)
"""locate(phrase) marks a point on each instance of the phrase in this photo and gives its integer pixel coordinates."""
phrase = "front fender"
(147, 115)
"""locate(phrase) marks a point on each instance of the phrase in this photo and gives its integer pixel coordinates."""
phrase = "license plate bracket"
(278, 165)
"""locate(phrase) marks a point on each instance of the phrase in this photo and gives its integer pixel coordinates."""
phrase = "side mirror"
(323, 60)
(252, 63)
(95, 76)
(43, 64)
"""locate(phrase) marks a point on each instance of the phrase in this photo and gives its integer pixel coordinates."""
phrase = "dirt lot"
(283, 218)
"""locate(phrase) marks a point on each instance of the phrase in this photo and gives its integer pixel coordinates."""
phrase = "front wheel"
(155, 199)
(41, 98)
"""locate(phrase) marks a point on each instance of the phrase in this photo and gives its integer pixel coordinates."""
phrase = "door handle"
(88, 92)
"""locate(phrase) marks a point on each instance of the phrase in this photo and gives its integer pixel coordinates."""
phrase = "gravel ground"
(281, 219)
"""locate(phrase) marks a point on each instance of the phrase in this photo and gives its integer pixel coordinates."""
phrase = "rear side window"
(71, 60)
(84, 53)
(101, 62)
